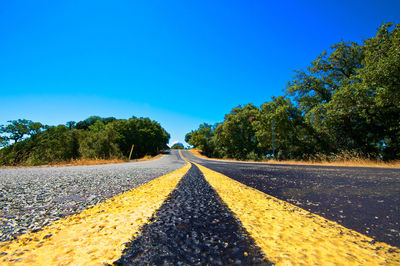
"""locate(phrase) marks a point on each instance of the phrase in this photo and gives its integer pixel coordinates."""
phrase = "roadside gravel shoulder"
(31, 198)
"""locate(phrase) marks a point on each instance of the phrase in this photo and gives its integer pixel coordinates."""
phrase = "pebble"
(31, 198)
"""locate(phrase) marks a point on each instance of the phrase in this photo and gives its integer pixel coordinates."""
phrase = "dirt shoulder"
(349, 163)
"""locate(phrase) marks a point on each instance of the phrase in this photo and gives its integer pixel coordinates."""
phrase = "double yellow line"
(285, 233)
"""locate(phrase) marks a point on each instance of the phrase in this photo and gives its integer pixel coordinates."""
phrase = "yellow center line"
(183, 157)
(96, 235)
(290, 235)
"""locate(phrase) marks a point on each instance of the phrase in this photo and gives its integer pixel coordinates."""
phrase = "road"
(31, 198)
(363, 199)
(185, 210)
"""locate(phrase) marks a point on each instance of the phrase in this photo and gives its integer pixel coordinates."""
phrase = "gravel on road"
(31, 198)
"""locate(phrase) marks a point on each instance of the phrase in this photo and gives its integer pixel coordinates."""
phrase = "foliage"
(3, 141)
(292, 138)
(178, 146)
(346, 102)
(100, 142)
(103, 138)
(202, 138)
(18, 129)
(236, 135)
(147, 136)
(85, 124)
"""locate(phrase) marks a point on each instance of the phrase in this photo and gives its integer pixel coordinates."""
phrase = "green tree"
(235, 137)
(381, 76)
(3, 141)
(100, 142)
(292, 138)
(18, 129)
(313, 90)
(202, 138)
(346, 101)
(57, 143)
(71, 124)
(103, 138)
(178, 146)
(148, 137)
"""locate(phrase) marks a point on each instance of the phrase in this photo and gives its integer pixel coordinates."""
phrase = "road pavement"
(185, 210)
(363, 199)
(31, 198)
(193, 227)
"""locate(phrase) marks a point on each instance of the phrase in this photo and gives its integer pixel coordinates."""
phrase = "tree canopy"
(31, 143)
(178, 146)
(346, 102)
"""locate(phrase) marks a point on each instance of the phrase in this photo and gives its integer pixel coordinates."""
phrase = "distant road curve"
(366, 200)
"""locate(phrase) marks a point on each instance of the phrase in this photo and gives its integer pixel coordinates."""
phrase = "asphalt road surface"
(31, 198)
(171, 212)
(366, 200)
(193, 227)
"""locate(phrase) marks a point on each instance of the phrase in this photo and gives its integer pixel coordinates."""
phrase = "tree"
(379, 86)
(85, 124)
(236, 135)
(364, 114)
(100, 142)
(3, 141)
(103, 138)
(57, 143)
(202, 138)
(147, 136)
(178, 146)
(71, 124)
(292, 138)
(346, 102)
(18, 129)
(314, 89)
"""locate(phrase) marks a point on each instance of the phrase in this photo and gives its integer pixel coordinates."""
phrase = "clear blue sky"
(180, 63)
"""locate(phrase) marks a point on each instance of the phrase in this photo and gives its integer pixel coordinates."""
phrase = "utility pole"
(130, 154)
(273, 143)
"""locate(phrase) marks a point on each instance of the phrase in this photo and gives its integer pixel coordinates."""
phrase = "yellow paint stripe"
(96, 235)
(290, 235)
(183, 157)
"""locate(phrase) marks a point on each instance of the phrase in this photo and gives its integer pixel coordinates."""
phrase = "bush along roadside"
(31, 143)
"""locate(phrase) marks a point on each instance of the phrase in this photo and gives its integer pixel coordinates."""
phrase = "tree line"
(346, 103)
(31, 143)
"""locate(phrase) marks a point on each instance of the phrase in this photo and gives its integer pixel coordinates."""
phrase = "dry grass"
(147, 158)
(342, 161)
(87, 162)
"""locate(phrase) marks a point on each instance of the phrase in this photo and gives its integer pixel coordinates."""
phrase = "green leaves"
(202, 139)
(102, 138)
(346, 102)
(178, 146)
(16, 130)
